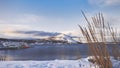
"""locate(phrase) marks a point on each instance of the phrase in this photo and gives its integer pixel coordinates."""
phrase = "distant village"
(23, 43)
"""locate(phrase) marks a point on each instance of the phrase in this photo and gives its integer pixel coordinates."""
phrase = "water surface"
(48, 52)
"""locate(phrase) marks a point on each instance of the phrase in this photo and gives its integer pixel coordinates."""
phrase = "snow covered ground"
(82, 63)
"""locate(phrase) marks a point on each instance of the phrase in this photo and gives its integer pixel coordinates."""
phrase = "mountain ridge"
(49, 36)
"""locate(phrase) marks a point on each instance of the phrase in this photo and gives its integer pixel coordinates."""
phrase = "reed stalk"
(95, 35)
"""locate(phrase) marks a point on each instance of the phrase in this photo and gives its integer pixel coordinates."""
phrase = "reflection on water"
(5, 58)
(46, 52)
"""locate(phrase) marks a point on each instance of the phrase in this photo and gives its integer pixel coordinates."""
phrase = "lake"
(48, 52)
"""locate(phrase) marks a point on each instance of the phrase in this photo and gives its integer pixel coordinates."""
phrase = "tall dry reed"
(96, 36)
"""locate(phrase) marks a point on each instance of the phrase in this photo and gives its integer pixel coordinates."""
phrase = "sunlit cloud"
(72, 32)
(21, 19)
(3, 21)
(105, 2)
(13, 27)
(37, 22)
(28, 18)
(113, 20)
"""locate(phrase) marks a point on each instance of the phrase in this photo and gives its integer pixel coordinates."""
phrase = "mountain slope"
(51, 36)
(65, 37)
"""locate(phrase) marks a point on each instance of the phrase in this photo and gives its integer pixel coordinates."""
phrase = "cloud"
(35, 34)
(20, 22)
(105, 2)
(112, 19)
(3, 21)
(72, 32)
(28, 18)
(21, 19)
(38, 33)
(13, 27)
(37, 22)
(10, 33)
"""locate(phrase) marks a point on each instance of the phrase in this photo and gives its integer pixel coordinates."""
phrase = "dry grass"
(96, 34)
(115, 47)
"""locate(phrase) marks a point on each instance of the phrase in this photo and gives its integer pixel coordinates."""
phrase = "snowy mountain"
(42, 37)
(51, 36)
(65, 37)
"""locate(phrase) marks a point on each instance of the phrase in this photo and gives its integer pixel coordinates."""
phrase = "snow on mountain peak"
(67, 38)
(45, 35)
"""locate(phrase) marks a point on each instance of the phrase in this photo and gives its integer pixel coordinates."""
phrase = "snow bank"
(82, 63)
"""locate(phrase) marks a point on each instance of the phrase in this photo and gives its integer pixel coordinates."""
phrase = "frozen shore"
(81, 63)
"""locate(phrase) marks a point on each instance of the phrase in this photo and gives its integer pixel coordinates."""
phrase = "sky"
(53, 15)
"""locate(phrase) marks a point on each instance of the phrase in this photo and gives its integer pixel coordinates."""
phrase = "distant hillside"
(53, 37)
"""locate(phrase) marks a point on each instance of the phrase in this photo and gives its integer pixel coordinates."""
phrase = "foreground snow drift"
(45, 64)
(82, 63)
